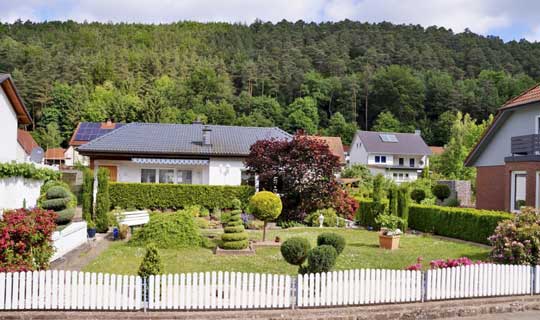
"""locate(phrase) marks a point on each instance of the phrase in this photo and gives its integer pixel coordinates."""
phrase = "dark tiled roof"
(528, 96)
(88, 131)
(408, 143)
(180, 139)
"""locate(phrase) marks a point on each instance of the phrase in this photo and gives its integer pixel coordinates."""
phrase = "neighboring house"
(55, 156)
(398, 156)
(335, 145)
(13, 113)
(507, 157)
(177, 153)
(26, 144)
(84, 133)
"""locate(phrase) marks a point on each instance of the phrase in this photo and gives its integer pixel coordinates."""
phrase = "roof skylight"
(385, 137)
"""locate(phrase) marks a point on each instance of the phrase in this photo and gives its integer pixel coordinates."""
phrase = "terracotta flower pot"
(389, 242)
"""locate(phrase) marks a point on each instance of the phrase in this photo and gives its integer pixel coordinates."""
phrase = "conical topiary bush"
(59, 199)
(235, 236)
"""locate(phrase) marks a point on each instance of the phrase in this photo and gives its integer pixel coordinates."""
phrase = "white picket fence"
(353, 287)
(71, 290)
(480, 280)
(219, 290)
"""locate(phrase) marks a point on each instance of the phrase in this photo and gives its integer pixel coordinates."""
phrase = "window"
(411, 162)
(148, 175)
(401, 161)
(247, 179)
(383, 159)
(184, 176)
(385, 137)
(519, 190)
(395, 175)
(377, 159)
(166, 175)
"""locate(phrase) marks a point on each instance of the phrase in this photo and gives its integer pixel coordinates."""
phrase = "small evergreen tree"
(404, 198)
(103, 203)
(151, 264)
(265, 206)
(87, 194)
(377, 187)
(235, 236)
(393, 200)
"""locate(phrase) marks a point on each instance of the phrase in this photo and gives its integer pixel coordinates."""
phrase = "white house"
(398, 156)
(177, 153)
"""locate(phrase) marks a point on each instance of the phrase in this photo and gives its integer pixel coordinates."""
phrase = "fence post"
(423, 292)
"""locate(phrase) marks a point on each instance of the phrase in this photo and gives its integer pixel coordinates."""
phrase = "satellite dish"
(37, 155)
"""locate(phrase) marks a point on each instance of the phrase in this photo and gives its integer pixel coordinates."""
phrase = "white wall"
(73, 157)
(69, 238)
(21, 154)
(357, 152)
(8, 129)
(227, 172)
(13, 192)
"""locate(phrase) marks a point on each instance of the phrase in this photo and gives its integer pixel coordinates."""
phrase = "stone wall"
(461, 190)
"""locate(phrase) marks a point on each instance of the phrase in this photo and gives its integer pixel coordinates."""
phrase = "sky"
(508, 19)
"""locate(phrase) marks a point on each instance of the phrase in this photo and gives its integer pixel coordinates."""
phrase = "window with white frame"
(166, 175)
(380, 159)
(518, 190)
(184, 176)
(148, 175)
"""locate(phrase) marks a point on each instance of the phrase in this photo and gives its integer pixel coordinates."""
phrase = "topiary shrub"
(393, 200)
(320, 259)
(441, 191)
(103, 204)
(403, 206)
(265, 206)
(418, 195)
(151, 264)
(332, 239)
(168, 231)
(60, 200)
(87, 194)
(295, 250)
(235, 236)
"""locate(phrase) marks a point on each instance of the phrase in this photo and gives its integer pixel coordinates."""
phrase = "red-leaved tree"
(26, 239)
(303, 171)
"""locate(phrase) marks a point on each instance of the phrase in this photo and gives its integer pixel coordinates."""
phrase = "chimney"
(418, 132)
(206, 135)
(107, 125)
(198, 121)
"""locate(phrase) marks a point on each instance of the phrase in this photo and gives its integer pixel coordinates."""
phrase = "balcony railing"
(527, 145)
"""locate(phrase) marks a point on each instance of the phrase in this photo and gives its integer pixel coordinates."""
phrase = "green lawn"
(362, 251)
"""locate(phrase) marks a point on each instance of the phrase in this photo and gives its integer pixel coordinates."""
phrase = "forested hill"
(293, 75)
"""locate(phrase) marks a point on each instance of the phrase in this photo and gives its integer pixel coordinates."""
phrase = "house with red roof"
(26, 144)
(507, 156)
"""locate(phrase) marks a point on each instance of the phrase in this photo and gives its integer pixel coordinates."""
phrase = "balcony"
(525, 148)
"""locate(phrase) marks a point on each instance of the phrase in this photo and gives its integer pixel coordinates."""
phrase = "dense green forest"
(324, 78)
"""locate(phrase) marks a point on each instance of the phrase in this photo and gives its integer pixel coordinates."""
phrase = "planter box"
(72, 236)
(388, 242)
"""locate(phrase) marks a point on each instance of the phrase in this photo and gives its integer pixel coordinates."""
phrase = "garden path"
(83, 255)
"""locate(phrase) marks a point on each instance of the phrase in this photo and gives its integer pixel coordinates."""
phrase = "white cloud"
(481, 16)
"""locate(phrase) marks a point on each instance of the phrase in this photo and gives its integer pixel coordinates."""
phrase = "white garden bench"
(133, 218)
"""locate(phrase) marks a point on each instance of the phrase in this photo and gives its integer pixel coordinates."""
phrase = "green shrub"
(368, 212)
(295, 250)
(332, 239)
(393, 200)
(290, 224)
(176, 196)
(65, 216)
(56, 183)
(28, 171)
(265, 206)
(235, 237)
(202, 223)
(255, 225)
(194, 210)
(321, 259)
(168, 231)
(204, 212)
(103, 204)
(87, 194)
(151, 264)
(57, 192)
(58, 198)
(403, 206)
(225, 216)
(330, 218)
(55, 204)
(441, 191)
(418, 195)
(461, 223)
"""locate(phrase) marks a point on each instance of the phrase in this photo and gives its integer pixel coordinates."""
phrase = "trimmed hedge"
(176, 196)
(368, 211)
(461, 223)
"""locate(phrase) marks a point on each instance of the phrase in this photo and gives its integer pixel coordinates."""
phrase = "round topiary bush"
(321, 259)
(168, 231)
(265, 206)
(418, 195)
(332, 239)
(441, 191)
(295, 250)
(235, 236)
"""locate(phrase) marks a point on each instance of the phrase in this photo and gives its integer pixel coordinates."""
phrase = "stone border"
(249, 251)
(266, 244)
(428, 310)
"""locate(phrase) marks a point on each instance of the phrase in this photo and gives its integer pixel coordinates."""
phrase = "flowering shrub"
(25, 239)
(442, 264)
(517, 241)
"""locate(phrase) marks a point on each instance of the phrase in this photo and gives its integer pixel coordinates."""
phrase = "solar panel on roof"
(388, 137)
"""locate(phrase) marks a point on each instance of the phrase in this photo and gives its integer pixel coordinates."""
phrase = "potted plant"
(91, 229)
(390, 233)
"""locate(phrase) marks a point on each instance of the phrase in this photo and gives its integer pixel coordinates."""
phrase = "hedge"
(368, 211)
(175, 196)
(28, 171)
(461, 223)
